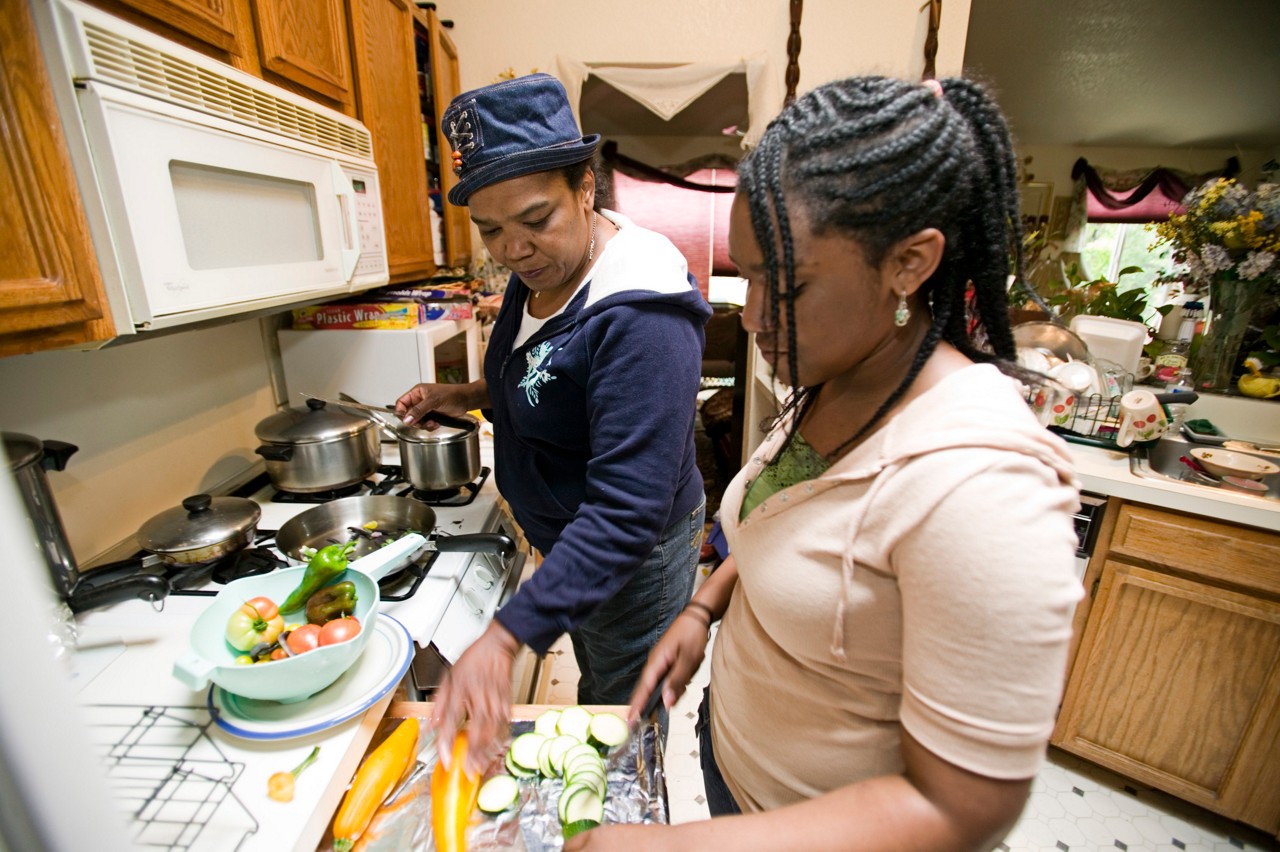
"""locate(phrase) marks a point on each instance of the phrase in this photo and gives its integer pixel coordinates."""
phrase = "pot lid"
(201, 521)
(440, 435)
(313, 424)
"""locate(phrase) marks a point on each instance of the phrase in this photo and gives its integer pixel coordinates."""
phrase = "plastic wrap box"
(379, 315)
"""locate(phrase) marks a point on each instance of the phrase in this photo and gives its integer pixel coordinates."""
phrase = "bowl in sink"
(1231, 463)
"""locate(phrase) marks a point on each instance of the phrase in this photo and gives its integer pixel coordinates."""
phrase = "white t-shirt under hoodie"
(925, 581)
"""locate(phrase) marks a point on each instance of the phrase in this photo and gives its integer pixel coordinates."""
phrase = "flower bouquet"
(1228, 238)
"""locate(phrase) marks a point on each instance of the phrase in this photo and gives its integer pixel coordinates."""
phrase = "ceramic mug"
(1053, 404)
(1141, 418)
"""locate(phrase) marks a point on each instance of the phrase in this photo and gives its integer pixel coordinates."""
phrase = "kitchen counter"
(1107, 472)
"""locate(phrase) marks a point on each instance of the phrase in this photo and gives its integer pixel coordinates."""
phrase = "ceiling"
(1132, 73)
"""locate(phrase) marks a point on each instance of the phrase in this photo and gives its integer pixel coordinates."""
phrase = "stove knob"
(475, 600)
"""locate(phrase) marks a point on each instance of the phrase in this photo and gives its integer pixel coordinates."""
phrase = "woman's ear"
(588, 188)
(913, 259)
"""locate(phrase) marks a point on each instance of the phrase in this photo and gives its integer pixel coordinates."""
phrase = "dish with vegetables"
(287, 658)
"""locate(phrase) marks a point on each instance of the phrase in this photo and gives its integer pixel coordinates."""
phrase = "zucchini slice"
(524, 751)
(517, 771)
(544, 759)
(545, 724)
(607, 731)
(498, 794)
(580, 750)
(583, 803)
(556, 752)
(573, 722)
(582, 764)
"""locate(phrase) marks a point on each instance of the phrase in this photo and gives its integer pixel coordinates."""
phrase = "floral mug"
(1141, 418)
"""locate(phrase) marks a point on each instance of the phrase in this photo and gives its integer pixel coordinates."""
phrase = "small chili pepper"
(280, 785)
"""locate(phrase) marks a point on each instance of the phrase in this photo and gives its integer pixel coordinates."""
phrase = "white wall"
(156, 420)
(840, 38)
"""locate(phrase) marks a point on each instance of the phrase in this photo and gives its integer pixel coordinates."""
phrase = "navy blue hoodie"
(593, 420)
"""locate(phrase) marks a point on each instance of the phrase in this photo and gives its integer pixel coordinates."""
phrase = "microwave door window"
(231, 219)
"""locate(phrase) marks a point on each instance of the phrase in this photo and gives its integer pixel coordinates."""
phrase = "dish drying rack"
(1092, 420)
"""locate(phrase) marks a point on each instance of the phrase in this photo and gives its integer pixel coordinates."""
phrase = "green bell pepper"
(327, 563)
(332, 602)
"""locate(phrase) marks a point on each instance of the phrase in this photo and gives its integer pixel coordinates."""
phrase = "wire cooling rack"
(171, 777)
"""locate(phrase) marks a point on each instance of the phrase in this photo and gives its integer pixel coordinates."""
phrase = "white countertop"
(1107, 472)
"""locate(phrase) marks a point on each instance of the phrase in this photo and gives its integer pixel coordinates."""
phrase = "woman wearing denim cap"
(896, 609)
(590, 379)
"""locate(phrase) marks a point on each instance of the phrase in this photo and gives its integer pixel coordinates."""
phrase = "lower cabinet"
(1176, 681)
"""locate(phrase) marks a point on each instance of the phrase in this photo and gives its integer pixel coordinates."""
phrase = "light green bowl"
(211, 658)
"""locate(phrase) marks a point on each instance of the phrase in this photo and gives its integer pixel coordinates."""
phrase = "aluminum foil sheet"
(637, 793)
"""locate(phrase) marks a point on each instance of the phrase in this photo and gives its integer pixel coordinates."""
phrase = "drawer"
(1229, 553)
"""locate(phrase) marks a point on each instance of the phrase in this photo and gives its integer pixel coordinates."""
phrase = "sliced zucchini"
(559, 746)
(582, 764)
(588, 778)
(573, 722)
(578, 751)
(544, 758)
(524, 751)
(545, 724)
(583, 803)
(572, 828)
(607, 731)
(518, 771)
(498, 794)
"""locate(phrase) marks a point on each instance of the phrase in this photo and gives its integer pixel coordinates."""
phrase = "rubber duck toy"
(1255, 383)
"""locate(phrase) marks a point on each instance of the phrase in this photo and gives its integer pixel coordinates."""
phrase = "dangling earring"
(903, 313)
(591, 249)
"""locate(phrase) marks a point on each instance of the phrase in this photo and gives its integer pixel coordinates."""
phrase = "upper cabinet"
(445, 86)
(298, 44)
(51, 292)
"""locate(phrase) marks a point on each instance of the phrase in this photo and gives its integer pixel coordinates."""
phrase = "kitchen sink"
(1162, 461)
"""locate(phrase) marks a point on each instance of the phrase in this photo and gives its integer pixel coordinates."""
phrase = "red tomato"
(279, 654)
(304, 638)
(265, 607)
(339, 630)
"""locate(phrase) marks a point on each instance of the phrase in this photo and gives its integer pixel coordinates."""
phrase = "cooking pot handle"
(497, 543)
(192, 670)
(148, 587)
(275, 452)
(56, 454)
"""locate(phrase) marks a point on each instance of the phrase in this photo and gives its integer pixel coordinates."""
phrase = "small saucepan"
(371, 520)
(430, 459)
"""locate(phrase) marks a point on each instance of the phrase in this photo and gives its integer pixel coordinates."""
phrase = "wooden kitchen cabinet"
(1176, 682)
(51, 292)
(301, 45)
(406, 74)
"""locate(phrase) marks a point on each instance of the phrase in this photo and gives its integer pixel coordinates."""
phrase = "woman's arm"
(933, 806)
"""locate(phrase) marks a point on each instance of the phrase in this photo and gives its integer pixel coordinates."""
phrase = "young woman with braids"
(896, 608)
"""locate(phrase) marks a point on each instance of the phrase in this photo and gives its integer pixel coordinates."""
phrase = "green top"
(797, 463)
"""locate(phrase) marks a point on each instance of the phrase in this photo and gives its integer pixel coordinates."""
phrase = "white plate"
(385, 660)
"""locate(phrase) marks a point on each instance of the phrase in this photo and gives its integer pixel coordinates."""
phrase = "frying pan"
(342, 520)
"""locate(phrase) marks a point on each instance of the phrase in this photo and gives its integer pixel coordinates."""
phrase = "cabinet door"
(387, 86)
(446, 86)
(305, 42)
(1177, 684)
(212, 22)
(51, 292)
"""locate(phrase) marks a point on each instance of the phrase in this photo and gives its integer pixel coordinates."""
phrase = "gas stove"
(444, 599)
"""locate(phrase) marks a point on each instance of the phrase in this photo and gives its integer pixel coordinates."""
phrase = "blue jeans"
(720, 801)
(613, 643)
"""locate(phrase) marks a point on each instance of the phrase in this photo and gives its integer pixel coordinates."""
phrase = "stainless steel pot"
(317, 448)
(442, 458)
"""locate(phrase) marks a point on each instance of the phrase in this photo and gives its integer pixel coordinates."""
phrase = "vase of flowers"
(1228, 237)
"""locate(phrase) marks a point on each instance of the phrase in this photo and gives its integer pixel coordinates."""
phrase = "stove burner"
(322, 496)
(460, 496)
(407, 579)
(247, 563)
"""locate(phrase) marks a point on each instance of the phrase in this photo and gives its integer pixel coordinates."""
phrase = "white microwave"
(209, 192)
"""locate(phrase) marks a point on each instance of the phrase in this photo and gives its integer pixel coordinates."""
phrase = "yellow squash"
(453, 798)
(374, 781)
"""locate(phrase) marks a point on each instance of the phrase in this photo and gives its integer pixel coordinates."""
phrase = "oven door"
(1087, 523)
(205, 214)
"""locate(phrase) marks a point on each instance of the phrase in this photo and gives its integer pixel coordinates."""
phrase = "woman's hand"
(477, 691)
(455, 400)
(676, 657)
(622, 838)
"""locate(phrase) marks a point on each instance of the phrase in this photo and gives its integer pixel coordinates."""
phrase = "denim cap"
(511, 129)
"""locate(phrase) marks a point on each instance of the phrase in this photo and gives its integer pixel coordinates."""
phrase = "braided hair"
(877, 159)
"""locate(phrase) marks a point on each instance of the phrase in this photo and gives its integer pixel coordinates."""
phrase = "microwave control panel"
(373, 255)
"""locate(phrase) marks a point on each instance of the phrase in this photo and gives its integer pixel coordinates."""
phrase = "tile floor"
(1074, 805)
